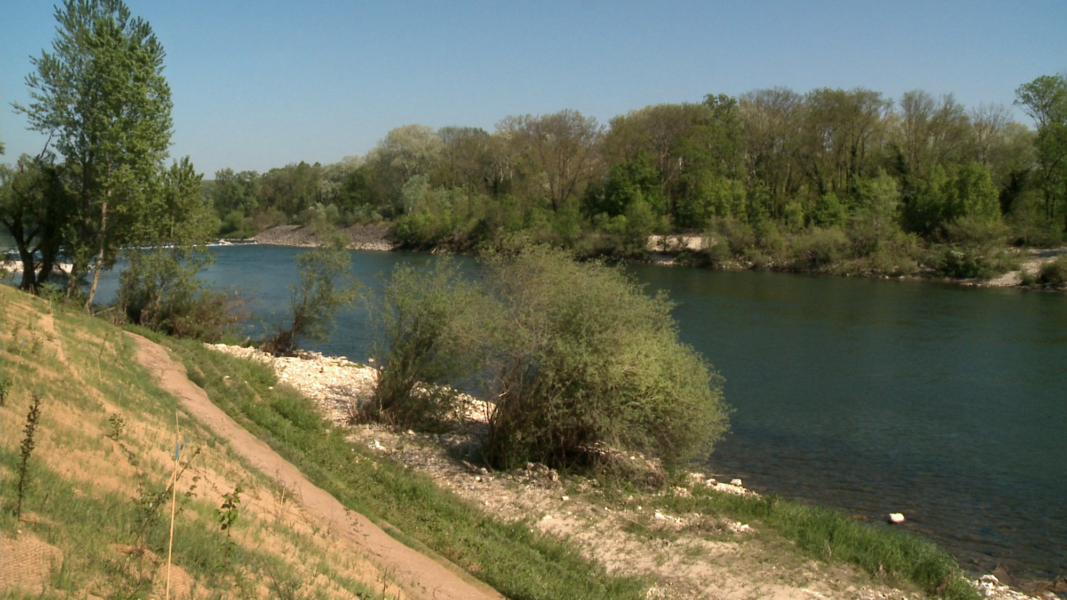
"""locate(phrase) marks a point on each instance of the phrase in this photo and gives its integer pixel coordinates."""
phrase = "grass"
(518, 562)
(96, 490)
(895, 556)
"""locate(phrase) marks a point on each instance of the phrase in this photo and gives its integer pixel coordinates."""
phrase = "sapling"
(27, 449)
(5, 386)
(227, 515)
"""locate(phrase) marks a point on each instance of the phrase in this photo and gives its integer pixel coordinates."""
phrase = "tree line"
(768, 172)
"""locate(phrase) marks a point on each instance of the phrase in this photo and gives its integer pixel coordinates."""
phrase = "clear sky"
(261, 84)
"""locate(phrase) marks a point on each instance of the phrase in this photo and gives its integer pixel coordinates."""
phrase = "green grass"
(518, 562)
(98, 528)
(829, 535)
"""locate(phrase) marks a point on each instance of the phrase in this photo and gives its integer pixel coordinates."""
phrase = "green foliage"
(101, 96)
(325, 286)
(828, 212)
(25, 451)
(1054, 274)
(34, 208)
(582, 361)
(423, 319)
(820, 249)
(227, 515)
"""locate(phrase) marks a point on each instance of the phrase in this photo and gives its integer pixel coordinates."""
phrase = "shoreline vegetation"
(1025, 265)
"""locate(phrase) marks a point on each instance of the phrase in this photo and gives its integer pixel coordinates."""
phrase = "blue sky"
(258, 85)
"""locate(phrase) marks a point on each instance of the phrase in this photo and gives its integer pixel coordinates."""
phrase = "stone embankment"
(687, 561)
(364, 237)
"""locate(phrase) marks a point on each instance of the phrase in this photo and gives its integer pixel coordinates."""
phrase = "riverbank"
(363, 237)
(682, 250)
(689, 554)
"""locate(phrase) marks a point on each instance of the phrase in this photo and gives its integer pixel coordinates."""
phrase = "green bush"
(160, 290)
(819, 249)
(423, 321)
(1054, 274)
(583, 362)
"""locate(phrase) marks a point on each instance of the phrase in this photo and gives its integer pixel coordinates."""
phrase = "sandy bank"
(364, 237)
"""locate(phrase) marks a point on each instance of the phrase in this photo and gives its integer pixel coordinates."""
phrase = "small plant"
(28, 445)
(6, 383)
(151, 499)
(115, 426)
(227, 516)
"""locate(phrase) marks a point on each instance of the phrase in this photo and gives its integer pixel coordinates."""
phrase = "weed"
(116, 424)
(27, 449)
(285, 588)
(6, 383)
(227, 516)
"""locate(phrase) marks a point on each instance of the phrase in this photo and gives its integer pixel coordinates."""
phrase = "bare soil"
(364, 237)
(419, 575)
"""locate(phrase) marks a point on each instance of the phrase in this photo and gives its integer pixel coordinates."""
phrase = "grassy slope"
(92, 519)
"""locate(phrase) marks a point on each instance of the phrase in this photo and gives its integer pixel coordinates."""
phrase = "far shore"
(664, 250)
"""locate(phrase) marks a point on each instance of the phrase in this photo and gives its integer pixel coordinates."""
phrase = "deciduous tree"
(101, 97)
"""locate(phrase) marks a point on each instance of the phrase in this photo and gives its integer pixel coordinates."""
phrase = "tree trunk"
(29, 269)
(100, 254)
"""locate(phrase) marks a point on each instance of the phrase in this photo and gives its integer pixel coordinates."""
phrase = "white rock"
(736, 482)
(565, 498)
(660, 516)
(896, 518)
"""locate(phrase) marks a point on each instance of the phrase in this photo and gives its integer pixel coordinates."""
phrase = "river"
(945, 403)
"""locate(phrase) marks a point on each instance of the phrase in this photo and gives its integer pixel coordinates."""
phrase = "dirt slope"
(420, 575)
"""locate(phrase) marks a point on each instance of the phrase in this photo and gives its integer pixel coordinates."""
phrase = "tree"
(771, 119)
(1045, 101)
(558, 147)
(100, 95)
(840, 131)
(424, 345)
(33, 206)
(159, 287)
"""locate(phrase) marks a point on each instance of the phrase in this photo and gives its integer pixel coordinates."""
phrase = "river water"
(945, 403)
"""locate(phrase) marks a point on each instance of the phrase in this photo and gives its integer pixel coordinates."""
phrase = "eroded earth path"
(420, 575)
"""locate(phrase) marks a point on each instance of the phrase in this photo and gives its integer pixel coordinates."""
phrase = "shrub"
(160, 290)
(820, 249)
(423, 322)
(583, 361)
(1054, 274)
(325, 286)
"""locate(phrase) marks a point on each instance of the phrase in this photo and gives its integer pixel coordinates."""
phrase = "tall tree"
(558, 147)
(1045, 101)
(100, 95)
(841, 130)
